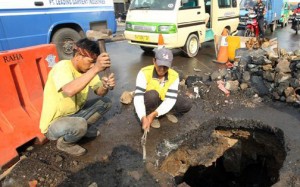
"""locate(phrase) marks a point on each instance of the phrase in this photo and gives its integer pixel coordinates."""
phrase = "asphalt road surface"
(114, 158)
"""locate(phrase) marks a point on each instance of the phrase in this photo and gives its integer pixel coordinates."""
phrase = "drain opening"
(235, 158)
(255, 173)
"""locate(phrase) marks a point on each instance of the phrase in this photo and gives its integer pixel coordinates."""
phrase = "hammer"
(100, 36)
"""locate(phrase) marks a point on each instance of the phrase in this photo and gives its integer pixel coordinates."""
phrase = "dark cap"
(164, 57)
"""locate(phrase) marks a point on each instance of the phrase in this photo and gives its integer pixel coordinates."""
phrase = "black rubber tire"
(248, 33)
(64, 40)
(189, 45)
(147, 49)
(273, 27)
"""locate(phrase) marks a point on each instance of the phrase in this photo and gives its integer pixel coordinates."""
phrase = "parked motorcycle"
(252, 29)
(296, 19)
(252, 26)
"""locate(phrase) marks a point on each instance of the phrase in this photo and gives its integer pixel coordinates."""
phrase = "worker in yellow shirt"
(67, 116)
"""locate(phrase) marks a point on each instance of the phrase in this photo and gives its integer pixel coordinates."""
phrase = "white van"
(183, 23)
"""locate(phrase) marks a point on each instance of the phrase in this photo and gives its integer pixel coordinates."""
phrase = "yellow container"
(234, 43)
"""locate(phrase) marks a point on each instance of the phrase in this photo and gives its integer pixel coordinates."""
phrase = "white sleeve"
(140, 90)
(170, 99)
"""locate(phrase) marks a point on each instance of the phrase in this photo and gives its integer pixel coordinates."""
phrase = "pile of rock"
(266, 71)
(253, 43)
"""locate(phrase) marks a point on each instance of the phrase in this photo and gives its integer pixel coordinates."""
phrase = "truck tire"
(64, 40)
(147, 49)
(191, 46)
(273, 26)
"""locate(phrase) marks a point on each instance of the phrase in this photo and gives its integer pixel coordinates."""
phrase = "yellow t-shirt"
(55, 104)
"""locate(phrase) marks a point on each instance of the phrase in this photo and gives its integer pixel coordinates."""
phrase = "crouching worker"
(157, 92)
(67, 116)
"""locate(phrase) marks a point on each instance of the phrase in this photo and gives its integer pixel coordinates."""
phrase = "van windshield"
(248, 4)
(152, 4)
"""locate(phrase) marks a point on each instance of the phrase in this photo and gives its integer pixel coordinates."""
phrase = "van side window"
(224, 3)
(207, 6)
(190, 4)
(234, 3)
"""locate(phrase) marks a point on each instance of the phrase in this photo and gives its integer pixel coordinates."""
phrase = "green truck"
(285, 14)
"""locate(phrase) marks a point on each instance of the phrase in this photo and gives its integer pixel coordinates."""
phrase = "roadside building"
(121, 7)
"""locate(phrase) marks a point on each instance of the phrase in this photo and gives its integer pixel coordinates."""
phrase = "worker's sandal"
(172, 118)
(155, 124)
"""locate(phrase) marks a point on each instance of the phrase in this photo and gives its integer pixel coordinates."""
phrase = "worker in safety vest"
(156, 91)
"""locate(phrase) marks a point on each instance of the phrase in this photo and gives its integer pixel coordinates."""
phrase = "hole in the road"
(235, 157)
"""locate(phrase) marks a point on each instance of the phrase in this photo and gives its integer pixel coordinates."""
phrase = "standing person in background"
(157, 91)
(260, 9)
(67, 116)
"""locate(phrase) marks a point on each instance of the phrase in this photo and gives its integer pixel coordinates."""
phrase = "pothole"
(228, 156)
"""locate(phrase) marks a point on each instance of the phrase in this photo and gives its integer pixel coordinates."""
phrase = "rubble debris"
(221, 86)
(261, 68)
(197, 70)
(127, 97)
(192, 80)
(253, 43)
(33, 183)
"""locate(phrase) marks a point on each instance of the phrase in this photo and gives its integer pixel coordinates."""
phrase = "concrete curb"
(117, 37)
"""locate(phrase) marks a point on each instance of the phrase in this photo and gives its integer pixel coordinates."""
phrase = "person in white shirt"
(156, 91)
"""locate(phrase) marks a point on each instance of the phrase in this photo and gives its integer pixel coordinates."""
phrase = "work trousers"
(152, 101)
(75, 126)
(261, 27)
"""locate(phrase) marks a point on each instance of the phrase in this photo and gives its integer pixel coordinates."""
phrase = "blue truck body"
(272, 16)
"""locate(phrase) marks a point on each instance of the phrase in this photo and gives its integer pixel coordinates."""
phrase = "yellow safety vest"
(153, 83)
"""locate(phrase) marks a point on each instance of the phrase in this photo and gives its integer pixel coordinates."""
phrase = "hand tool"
(101, 36)
(143, 143)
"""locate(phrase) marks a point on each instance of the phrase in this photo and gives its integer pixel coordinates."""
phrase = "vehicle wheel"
(191, 46)
(248, 33)
(273, 26)
(147, 49)
(64, 40)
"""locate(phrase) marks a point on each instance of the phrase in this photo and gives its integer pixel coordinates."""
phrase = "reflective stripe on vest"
(153, 83)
